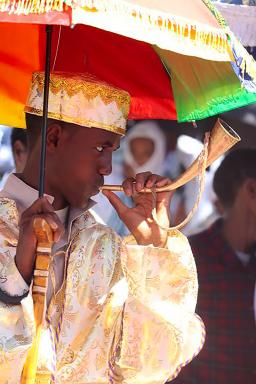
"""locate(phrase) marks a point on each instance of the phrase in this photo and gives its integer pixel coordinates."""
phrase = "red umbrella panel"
(123, 62)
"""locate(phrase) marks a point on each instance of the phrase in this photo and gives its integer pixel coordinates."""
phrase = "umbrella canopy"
(241, 16)
(190, 68)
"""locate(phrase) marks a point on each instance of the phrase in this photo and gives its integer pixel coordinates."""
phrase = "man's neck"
(32, 179)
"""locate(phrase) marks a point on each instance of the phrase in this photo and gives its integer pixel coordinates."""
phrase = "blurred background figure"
(188, 149)
(148, 147)
(144, 149)
(6, 159)
(16, 147)
(19, 148)
(225, 255)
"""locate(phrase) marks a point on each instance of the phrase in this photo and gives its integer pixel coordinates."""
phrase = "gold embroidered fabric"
(126, 314)
(80, 99)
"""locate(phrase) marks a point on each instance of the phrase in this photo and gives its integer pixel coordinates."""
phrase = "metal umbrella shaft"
(44, 243)
(45, 109)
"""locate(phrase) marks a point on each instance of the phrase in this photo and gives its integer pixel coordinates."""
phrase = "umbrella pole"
(44, 243)
(45, 109)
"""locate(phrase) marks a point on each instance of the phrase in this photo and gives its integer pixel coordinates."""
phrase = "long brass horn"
(222, 138)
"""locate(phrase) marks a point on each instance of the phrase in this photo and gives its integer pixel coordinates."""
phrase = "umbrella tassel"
(24, 7)
(155, 19)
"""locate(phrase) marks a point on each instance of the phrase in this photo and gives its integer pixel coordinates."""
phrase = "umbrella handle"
(40, 282)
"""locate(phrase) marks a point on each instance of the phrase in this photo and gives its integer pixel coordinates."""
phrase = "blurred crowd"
(146, 147)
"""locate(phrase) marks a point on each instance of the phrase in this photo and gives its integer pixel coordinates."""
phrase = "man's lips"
(100, 183)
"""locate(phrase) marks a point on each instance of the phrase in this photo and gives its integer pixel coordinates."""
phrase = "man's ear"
(250, 185)
(53, 136)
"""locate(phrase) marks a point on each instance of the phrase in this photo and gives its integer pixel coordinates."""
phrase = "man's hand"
(139, 218)
(26, 248)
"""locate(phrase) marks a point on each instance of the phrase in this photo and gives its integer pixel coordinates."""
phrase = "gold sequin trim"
(78, 121)
(21, 7)
(91, 87)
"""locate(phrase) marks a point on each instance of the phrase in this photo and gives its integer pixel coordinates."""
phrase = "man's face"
(83, 158)
(142, 149)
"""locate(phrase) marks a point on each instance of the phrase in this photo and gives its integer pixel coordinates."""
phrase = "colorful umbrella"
(241, 17)
(188, 37)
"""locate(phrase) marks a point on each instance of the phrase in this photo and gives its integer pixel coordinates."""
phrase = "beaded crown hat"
(80, 99)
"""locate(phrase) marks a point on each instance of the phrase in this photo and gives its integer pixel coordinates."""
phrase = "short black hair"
(237, 166)
(19, 134)
(34, 126)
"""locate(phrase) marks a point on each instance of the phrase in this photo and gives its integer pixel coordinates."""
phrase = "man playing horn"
(118, 311)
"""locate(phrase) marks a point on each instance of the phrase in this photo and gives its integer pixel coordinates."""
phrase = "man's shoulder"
(205, 244)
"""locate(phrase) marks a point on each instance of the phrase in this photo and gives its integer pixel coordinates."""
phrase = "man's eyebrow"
(109, 144)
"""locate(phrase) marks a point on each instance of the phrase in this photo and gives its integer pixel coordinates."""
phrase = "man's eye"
(99, 149)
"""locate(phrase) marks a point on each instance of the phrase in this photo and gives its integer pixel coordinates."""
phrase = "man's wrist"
(25, 271)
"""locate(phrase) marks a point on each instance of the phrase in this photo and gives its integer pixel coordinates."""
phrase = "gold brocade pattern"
(87, 84)
(80, 99)
(124, 314)
(78, 121)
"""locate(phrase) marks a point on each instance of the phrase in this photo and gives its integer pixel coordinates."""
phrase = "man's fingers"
(152, 180)
(141, 180)
(117, 203)
(40, 205)
(128, 186)
(54, 223)
(163, 181)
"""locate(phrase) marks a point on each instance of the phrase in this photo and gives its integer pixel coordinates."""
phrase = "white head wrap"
(146, 130)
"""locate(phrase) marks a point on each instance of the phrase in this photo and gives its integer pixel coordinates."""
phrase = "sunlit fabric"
(125, 313)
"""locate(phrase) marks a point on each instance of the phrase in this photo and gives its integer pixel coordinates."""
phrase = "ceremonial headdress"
(80, 99)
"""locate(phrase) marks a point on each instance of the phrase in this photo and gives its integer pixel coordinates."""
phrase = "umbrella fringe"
(25, 7)
(151, 18)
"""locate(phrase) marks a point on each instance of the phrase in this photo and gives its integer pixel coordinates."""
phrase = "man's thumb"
(116, 202)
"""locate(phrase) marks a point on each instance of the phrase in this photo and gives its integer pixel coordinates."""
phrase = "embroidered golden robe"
(124, 314)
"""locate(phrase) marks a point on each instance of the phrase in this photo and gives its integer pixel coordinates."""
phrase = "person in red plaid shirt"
(226, 263)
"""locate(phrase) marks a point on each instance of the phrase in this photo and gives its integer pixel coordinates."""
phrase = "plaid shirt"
(225, 303)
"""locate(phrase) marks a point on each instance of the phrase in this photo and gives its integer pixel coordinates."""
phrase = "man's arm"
(17, 324)
(160, 332)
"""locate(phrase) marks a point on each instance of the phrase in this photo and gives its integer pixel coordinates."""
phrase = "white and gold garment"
(123, 313)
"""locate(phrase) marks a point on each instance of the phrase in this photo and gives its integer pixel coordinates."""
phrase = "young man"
(116, 313)
(225, 254)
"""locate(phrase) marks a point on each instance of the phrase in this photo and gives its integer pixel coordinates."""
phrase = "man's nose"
(105, 168)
